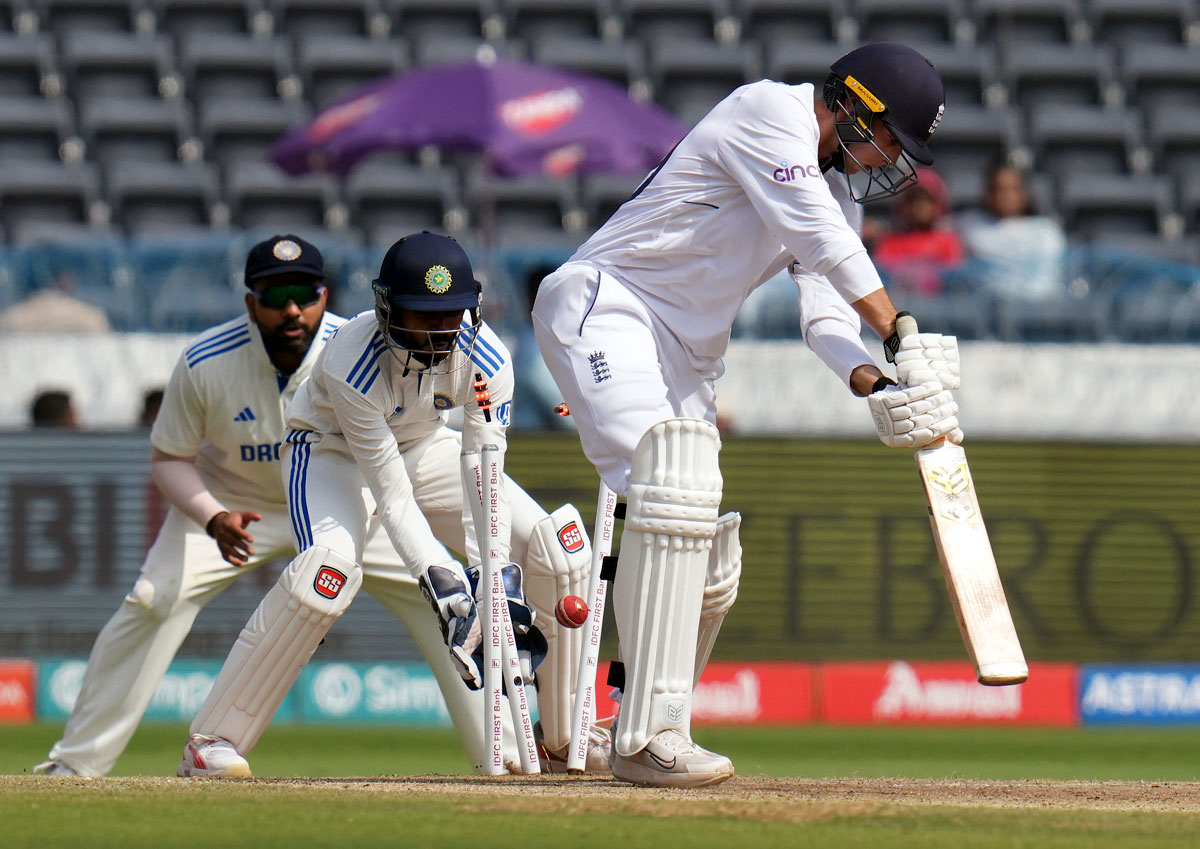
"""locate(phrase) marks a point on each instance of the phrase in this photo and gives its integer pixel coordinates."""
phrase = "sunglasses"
(277, 297)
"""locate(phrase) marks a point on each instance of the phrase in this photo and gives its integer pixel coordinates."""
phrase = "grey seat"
(296, 18)
(1157, 76)
(769, 21)
(445, 49)
(1144, 22)
(525, 205)
(221, 65)
(158, 197)
(623, 62)
(1063, 319)
(972, 138)
(1174, 138)
(1189, 201)
(241, 130)
(388, 200)
(967, 315)
(967, 71)
(119, 129)
(333, 66)
(180, 18)
(417, 20)
(907, 20)
(1057, 73)
(538, 21)
(1010, 22)
(1071, 138)
(33, 128)
(690, 77)
(113, 63)
(25, 60)
(259, 194)
(801, 62)
(654, 20)
(46, 192)
(1094, 205)
(62, 17)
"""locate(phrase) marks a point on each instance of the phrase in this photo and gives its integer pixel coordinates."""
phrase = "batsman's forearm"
(878, 311)
(179, 481)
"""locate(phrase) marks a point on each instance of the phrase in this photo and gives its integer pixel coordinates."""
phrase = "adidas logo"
(246, 415)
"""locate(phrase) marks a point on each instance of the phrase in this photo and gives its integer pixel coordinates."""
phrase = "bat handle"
(906, 325)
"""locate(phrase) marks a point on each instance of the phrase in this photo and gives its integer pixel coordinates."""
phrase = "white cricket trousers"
(620, 370)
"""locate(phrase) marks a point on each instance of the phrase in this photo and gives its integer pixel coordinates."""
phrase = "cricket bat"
(967, 560)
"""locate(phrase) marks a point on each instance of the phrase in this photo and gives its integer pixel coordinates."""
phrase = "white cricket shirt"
(224, 406)
(739, 198)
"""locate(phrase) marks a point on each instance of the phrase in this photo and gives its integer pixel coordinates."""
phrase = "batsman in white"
(366, 445)
(634, 326)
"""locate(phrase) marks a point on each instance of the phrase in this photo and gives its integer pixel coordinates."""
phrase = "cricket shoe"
(670, 759)
(555, 760)
(57, 768)
(211, 757)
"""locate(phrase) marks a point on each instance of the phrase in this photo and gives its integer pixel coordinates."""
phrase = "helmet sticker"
(873, 102)
(937, 119)
(286, 250)
(438, 279)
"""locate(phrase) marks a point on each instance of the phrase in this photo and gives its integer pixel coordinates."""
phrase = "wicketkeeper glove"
(446, 588)
(531, 643)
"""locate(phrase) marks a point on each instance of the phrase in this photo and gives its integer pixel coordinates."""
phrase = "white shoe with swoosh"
(670, 759)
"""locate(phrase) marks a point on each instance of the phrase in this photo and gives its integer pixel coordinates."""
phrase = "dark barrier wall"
(1097, 545)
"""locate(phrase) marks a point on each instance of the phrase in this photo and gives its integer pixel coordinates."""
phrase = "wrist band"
(882, 384)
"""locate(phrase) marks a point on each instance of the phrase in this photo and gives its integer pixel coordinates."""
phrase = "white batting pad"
(556, 566)
(720, 587)
(282, 634)
(670, 521)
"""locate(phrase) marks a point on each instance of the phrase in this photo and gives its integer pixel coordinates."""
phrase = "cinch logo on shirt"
(786, 174)
(329, 582)
(263, 453)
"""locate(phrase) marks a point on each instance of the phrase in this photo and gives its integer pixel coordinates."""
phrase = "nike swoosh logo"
(667, 765)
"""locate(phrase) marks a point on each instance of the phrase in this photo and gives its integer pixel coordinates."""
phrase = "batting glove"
(914, 416)
(445, 587)
(928, 352)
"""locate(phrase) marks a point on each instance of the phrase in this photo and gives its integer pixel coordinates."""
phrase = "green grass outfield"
(974, 800)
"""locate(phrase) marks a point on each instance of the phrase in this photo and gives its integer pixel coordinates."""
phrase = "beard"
(277, 343)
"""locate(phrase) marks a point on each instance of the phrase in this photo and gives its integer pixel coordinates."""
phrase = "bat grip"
(906, 325)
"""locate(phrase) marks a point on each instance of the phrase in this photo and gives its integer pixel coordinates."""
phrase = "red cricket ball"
(571, 611)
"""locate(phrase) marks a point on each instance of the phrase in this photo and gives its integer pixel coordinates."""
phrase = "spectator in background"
(922, 245)
(1013, 251)
(53, 409)
(535, 395)
(55, 310)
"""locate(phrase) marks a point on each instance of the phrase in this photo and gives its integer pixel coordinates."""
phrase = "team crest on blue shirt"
(442, 402)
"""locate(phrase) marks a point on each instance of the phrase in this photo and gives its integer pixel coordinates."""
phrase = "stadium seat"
(1145, 22)
(25, 61)
(967, 315)
(970, 139)
(1057, 73)
(1064, 319)
(222, 65)
(444, 49)
(417, 20)
(801, 62)
(1189, 200)
(333, 66)
(113, 63)
(156, 197)
(1174, 138)
(133, 129)
(623, 62)
(295, 18)
(503, 206)
(40, 192)
(652, 20)
(180, 18)
(968, 72)
(790, 21)
(33, 128)
(690, 77)
(907, 20)
(538, 21)
(1012, 22)
(91, 266)
(1094, 205)
(1160, 75)
(241, 130)
(62, 17)
(388, 200)
(1072, 138)
(260, 195)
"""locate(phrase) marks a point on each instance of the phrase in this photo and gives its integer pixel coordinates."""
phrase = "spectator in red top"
(921, 245)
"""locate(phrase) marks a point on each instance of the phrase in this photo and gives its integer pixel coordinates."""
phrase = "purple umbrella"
(526, 119)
